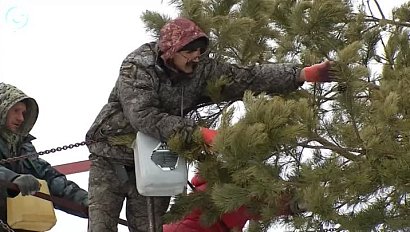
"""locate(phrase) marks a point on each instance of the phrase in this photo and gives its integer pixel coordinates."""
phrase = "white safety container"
(158, 171)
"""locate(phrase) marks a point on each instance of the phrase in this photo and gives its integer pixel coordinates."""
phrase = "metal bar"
(74, 167)
(151, 214)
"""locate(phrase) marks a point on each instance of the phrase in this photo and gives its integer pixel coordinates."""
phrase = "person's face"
(15, 116)
(186, 61)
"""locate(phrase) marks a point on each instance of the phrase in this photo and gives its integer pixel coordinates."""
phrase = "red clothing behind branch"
(233, 221)
(191, 223)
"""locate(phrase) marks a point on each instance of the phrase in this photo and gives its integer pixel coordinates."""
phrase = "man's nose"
(196, 55)
(20, 117)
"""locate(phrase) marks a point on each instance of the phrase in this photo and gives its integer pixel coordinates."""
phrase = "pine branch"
(388, 21)
(354, 124)
(345, 152)
(380, 9)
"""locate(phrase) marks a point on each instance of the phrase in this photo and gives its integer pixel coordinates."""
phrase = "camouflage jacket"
(148, 97)
(57, 182)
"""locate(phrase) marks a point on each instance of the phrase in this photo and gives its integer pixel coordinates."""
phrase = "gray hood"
(9, 96)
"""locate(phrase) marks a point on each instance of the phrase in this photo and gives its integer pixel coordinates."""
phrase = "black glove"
(28, 184)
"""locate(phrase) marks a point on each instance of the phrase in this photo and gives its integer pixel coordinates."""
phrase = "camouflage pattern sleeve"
(269, 78)
(141, 104)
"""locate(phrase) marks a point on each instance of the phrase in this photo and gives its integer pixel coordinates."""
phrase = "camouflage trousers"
(107, 192)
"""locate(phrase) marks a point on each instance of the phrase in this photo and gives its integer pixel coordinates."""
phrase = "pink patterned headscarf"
(176, 34)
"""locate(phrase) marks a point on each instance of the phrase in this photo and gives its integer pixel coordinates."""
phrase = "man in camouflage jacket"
(158, 84)
(18, 114)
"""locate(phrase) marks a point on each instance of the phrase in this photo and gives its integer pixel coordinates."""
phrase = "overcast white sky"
(66, 54)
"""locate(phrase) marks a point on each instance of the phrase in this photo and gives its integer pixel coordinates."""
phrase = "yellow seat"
(30, 212)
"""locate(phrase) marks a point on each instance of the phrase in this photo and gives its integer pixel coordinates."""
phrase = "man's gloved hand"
(319, 72)
(186, 134)
(288, 205)
(28, 184)
(208, 135)
(298, 207)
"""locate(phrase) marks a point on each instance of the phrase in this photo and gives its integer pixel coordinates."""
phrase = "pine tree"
(342, 148)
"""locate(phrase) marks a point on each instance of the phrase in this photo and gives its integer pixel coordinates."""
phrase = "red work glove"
(319, 72)
(208, 135)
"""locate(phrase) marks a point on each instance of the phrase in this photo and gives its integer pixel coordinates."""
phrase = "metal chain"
(5, 226)
(52, 150)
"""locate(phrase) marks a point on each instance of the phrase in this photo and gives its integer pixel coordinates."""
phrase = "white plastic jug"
(158, 172)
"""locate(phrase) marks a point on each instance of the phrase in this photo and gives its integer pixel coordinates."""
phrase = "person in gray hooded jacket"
(158, 84)
(18, 114)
